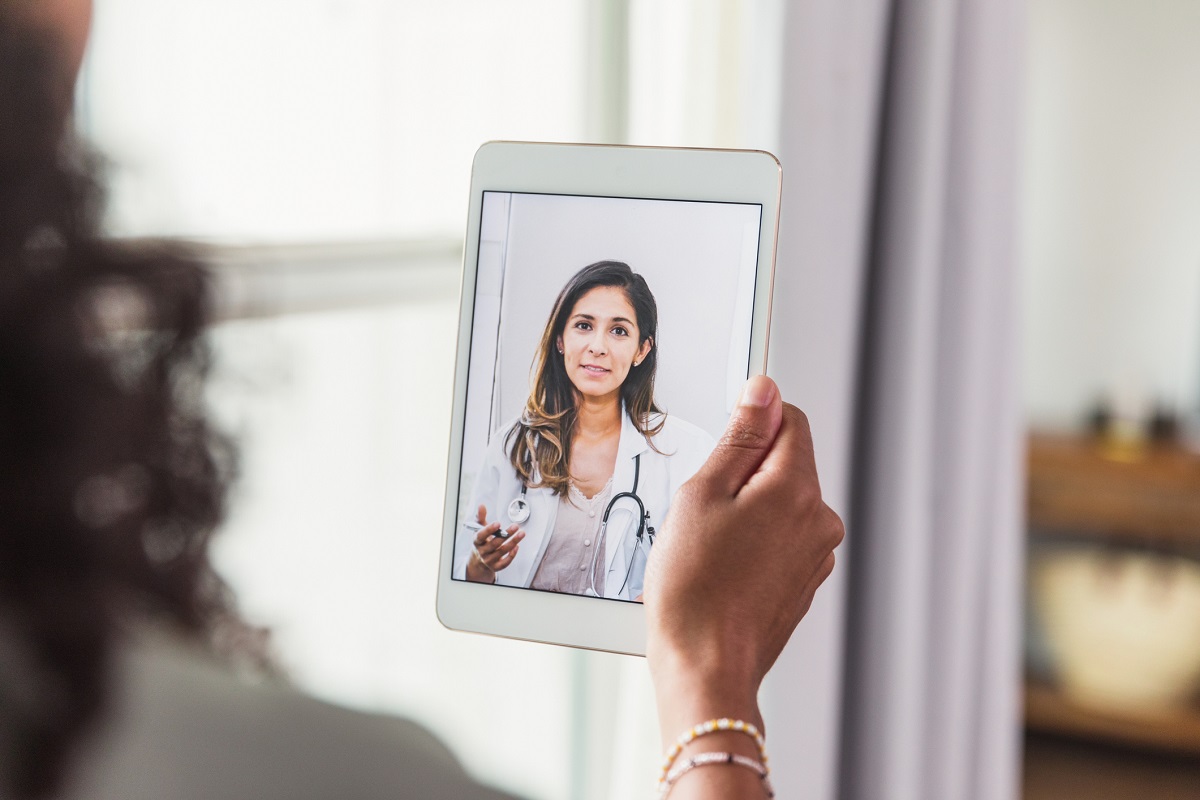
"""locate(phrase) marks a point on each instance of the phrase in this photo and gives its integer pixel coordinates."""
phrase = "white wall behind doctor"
(697, 258)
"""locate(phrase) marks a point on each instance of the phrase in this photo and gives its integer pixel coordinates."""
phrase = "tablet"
(614, 302)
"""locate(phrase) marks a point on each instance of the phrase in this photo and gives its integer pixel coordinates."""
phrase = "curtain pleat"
(900, 127)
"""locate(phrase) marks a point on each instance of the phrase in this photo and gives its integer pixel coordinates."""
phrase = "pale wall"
(1112, 205)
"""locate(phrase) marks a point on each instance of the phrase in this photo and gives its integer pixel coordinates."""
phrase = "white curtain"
(896, 330)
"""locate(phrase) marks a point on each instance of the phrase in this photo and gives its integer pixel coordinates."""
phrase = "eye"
(583, 325)
(619, 330)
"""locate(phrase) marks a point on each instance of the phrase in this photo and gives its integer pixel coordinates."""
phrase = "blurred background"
(320, 150)
(1111, 368)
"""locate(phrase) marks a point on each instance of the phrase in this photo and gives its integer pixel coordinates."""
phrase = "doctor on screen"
(570, 496)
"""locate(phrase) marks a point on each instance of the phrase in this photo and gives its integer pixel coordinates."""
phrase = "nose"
(596, 343)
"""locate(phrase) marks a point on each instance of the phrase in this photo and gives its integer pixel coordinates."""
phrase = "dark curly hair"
(111, 478)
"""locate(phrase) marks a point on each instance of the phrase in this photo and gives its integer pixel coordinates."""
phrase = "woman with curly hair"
(112, 479)
(112, 482)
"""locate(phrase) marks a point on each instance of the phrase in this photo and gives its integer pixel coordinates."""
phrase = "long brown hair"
(539, 445)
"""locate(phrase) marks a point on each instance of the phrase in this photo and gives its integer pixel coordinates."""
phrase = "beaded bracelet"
(705, 759)
(713, 726)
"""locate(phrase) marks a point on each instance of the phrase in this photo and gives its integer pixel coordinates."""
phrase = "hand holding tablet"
(746, 546)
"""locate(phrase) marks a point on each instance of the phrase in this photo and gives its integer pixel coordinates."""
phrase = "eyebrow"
(591, 318)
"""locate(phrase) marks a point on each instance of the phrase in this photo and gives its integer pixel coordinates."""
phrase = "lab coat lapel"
(543, 509)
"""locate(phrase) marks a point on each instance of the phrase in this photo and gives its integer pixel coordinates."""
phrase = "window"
(315, 120)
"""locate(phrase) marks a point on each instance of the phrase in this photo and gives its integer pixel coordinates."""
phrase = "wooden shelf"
(1079, 485)
(1176, 731)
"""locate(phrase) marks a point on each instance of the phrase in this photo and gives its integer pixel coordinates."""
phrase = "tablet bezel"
(658, 173)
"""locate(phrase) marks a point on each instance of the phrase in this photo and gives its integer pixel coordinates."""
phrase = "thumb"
(748, 437)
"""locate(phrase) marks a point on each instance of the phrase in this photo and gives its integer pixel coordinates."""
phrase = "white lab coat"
(681, 449)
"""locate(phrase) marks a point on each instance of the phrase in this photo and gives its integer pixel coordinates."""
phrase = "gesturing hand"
(493, 551)
(743, 549)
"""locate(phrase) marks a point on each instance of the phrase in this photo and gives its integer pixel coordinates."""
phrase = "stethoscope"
(518, 512)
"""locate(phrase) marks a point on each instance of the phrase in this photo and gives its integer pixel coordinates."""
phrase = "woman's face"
(600, 343)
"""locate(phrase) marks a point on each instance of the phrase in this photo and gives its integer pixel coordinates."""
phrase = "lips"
(592, 369)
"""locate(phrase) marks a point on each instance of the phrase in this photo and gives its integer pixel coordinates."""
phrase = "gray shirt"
(182, 726)
(574, 559)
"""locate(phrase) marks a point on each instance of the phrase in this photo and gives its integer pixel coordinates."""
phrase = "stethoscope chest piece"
(518, 510)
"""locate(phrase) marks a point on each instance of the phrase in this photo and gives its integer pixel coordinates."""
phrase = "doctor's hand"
(745, 545)
(492, 553)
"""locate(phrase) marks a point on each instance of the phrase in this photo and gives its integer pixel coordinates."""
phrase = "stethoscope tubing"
(518, 512)
(643, 525)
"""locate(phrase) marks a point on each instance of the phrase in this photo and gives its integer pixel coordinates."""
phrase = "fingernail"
(758, 392)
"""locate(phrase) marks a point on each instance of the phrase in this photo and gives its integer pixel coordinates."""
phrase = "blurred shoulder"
(184, 726)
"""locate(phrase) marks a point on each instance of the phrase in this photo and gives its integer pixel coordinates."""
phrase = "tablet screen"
(610, 338)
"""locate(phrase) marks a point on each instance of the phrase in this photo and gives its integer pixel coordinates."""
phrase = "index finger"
(481, 515)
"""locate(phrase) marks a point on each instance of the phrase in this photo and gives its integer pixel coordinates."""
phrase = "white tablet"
(614, 301)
